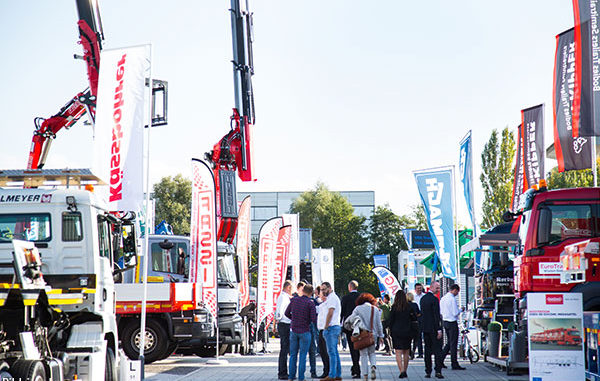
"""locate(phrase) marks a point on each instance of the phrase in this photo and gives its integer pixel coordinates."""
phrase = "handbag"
(365, 338)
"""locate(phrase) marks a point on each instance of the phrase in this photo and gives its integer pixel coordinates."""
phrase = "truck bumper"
(191, 326)
(230, 330)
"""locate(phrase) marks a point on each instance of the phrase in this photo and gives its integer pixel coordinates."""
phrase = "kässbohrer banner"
(119, 125)
(267, 243)
(571, 152)
(519, 183)
(203, 230)
(586, 92)
(532, 132)
(243, 243)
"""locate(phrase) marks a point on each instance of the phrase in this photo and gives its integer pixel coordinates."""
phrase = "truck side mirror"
(544, 225)
(166, 244)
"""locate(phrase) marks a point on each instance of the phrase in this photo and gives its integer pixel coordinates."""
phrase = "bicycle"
(466, 348)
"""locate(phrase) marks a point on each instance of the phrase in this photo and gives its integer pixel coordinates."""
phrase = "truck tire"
(156, 344)
(31, 370)
(110, 370)
(210, 351)
(172, 347)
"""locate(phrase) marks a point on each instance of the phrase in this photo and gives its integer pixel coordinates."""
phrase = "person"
(299, 288)
(401, 318)
(317, 295)
(332, 307)
(370, 316)
(348, 305)
(432, 330)
(417, 311)
(418, 342)
(301, 311)
(283, 327)
(386, 307)
(450, 314)
(312, 349)
(321, 319)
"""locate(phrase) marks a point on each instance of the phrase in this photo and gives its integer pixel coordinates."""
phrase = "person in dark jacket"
(432, 329)
(417, 310)
(348, 305)
(401, 317)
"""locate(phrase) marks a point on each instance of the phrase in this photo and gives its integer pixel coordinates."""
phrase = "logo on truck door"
(9, 198)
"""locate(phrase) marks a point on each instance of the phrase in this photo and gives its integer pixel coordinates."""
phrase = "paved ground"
(264, 367)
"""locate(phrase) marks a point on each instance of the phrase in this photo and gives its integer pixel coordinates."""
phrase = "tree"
(173, 197)
(417, 219)
(571, 179)
(385, 233)
(333, 223)
(497, 176)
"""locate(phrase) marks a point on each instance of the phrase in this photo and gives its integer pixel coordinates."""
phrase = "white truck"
(66, 328)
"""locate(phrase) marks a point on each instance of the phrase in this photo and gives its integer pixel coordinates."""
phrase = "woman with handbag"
(370, 331)
(404, 327)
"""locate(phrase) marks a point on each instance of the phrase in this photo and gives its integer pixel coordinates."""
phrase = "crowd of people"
(311, 321)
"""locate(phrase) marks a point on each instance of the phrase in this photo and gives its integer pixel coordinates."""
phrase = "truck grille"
(227, 309)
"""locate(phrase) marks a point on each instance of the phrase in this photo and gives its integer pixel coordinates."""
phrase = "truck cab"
(78, 242)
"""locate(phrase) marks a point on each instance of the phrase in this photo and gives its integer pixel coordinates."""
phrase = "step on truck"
(57, 297)
(177, 318)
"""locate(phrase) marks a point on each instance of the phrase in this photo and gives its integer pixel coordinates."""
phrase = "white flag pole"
(594, 163)
(146, 215)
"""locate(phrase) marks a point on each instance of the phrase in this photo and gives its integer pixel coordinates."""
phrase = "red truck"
(560, 336)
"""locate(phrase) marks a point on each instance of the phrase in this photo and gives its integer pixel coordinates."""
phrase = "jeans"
(298, 342)
(284, 335)
(451, 329)
(331, 335)
(367, 355)
(312, 349)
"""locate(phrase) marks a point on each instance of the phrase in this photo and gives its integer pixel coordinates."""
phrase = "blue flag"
(466, 175)
(436, 191)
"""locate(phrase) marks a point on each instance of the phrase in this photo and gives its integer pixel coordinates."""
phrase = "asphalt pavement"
(264, 367)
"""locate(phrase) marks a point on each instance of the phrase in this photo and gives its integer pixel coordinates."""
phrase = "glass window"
(570, 221)
(104, 237)
(226, 269)
(26, 227)
(72, 230)
(175, 260)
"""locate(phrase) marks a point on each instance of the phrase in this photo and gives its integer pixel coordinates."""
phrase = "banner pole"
(594, 163)
(146, 228)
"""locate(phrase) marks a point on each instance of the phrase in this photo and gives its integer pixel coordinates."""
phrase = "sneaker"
(427, 375)
(373, 372)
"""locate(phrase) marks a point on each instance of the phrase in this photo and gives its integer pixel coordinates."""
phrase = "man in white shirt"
(283, 327)
(332, 309)
(450, 314)
(418, 293)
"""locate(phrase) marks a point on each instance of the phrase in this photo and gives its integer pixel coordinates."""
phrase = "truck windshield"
(26, 227)
(226, 268)
(570, 221)
(175, 261)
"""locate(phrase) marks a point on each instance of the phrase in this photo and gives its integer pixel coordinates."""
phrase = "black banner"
(519, 186)
(586, 99)
(571, 152)
(532, 126)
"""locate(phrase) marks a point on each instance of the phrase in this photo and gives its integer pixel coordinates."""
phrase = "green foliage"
(497, 176)
(494, 326)
(173, 197)
(417, 217)
(333, 223)
(571, 179)
(385, 233)
(253, 280)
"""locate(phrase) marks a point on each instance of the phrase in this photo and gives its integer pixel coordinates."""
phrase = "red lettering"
(205, 256)
(206, 239)
(115, 193)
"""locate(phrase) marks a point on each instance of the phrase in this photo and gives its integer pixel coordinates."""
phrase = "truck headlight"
(238, 326)
(203, 318)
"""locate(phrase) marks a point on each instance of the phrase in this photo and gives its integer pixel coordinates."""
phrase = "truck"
(559, 336)
(177, 319)
(57, 312)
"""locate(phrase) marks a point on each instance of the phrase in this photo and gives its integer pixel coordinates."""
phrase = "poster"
(555, 336)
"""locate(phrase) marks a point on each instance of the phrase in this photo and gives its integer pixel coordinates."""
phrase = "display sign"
(388, 280)
(555, 327)
(420, 239)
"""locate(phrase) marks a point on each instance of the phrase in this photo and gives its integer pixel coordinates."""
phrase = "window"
(175, 260)
(72, 230)
(570, 221)
(26, 227)
(226, 269)
(104, 237)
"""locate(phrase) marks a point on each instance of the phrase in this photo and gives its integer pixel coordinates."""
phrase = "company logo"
(46, 198)
(554, 299)
(578, 144)
(116, 172)
(435, 191)
(551, 267)
(25, 198)
(532, 155)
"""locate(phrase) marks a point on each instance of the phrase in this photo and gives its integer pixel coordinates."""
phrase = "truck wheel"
(156, 341)
(110, 371)
(210, 351)
(31, 370)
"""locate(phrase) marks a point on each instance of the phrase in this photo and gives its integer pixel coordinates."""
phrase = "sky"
(355, 94)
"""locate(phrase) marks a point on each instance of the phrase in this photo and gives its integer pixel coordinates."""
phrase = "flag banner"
(586, 91)
(242, 246)
(519, 183)
(294, 258)
(280, 261)
(571, 152)
(268, 236)
(389, 281)
(119, 125)
(534, 153)
(436, 191)
(203, 241)
(326, 268)
(466, 176)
